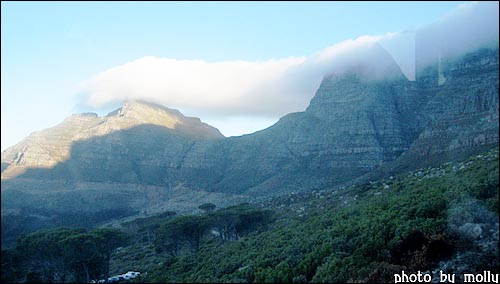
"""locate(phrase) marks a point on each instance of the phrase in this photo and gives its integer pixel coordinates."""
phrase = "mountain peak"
(137, 105)
(135, 112)
(139, 112)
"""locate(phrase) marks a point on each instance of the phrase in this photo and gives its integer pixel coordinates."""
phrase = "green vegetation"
(366, 232)
(62, 255)
(362, 233)
(30, 219)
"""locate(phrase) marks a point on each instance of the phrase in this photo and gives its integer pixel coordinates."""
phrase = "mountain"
(50, 147)
(365, 122)
(355, 124)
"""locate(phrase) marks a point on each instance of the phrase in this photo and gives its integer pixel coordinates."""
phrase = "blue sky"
(49, 48)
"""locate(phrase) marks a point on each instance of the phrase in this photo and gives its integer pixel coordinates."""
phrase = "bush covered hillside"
(443, 218)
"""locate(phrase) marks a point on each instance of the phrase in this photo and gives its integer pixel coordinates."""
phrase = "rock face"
(462, 111)
(357, 122)
(456, 110)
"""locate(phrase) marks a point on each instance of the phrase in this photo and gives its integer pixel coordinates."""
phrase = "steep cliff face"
(462, 108)
(455, 111)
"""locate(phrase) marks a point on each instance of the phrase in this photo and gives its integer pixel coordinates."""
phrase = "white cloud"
(266, 88)
(276, 87)
(469, 26)
(228, 87)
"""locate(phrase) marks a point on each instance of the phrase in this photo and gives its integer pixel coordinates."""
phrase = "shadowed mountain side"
(105, 178)
(144, 155)
(136, 155)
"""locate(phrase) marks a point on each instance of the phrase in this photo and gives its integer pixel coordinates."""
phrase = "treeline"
(62, 255)
(32, 219)
(173, 235)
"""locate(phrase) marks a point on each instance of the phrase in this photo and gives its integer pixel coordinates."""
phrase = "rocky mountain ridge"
(355, 125)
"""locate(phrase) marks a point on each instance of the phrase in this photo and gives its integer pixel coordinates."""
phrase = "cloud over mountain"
(270, 88)
(276, 87)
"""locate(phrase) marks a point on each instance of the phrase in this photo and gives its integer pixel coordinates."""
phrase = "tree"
(40, 254)
(146, 228)
(233, 221)
(81, 252)
(251, 218)
(168, 238)
(207, 207)
(61, 255)
(189, 228)
(225, 222)
(109, 241)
